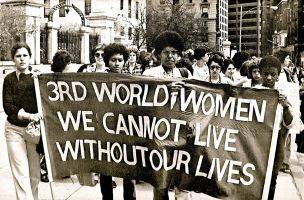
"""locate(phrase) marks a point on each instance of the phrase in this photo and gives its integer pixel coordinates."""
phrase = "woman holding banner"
(115, 57)
(19, 103)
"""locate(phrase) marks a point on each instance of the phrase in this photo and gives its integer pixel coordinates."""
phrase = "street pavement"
(289, 187)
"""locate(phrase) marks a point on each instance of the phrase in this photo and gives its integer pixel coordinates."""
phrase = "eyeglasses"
(98, 54)
(215, 67)
(167, 53)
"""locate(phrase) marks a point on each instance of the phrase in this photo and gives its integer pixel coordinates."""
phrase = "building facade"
(78, 25)
(251, 26)
(288, 31)
(213, 13)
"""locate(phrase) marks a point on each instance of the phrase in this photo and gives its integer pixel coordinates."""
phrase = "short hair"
(113, 49)
(250, 65)
(217, 59)
(270, 61)
(199, 53)
(169, 38)
(132, 49)
(239, 58)
(227, 62)
(60, 60)
(281, 54)
(94, 50)
(20, 45)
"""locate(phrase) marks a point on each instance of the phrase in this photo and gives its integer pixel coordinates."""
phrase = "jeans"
(24, 162)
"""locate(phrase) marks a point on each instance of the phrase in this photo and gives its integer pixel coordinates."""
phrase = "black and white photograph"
(151, 99)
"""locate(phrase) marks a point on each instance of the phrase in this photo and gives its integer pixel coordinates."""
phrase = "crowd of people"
(168, 60)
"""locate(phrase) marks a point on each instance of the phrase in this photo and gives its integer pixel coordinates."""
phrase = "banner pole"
(273, 146)
(42, 130)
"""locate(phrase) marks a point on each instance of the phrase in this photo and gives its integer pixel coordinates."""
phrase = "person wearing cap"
(168, 45)
(200, 68)
(270, 68)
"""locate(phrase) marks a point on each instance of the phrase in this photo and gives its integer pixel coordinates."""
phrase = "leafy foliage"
(176, 17)
(13, 27)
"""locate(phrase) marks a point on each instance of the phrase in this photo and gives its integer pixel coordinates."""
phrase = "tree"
(13, 26)
(176, 17)
(138, 29)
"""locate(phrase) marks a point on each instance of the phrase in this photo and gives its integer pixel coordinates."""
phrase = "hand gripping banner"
(215, 139)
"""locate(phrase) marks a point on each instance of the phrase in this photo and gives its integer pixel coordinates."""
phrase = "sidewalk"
(289, 187)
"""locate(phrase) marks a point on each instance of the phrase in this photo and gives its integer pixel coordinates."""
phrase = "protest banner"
(215, 139)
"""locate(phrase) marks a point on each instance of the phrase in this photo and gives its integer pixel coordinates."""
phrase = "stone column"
(226, 48)
(85, 44)
(52, 40)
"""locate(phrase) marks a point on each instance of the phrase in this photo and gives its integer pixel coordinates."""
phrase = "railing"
(43, 46)
(70, 42)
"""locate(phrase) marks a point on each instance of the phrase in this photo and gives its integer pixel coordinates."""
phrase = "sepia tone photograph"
(151, 99)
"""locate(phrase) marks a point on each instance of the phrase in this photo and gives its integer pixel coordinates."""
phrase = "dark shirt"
(18, 94)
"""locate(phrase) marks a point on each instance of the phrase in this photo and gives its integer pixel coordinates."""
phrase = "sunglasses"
(215, 67)
(98, 54)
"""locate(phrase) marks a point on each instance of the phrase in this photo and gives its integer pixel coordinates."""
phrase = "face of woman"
(132, 57)
(98, 57)
(22, 59)
(256, 75)
(215, 69)
(116, 63)
(230, 71)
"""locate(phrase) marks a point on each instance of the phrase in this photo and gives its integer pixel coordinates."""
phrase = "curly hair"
(113, 49)
(281, 55)
(60, 60)
(20, 45)
(227, 62)
(239, 58)
(270, 61)
(247, 68)
(168, 38)
(217, 59)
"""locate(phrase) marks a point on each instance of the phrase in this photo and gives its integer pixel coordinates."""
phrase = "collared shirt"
(159, 72)
(137, 70)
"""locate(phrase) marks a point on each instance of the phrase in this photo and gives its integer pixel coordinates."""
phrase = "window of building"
(87, 7)
(137, 10)
(130, 33)
(129, 8)
(121, 4)
(46, 8)
(190, 1)
(62, 9)
(175, 2)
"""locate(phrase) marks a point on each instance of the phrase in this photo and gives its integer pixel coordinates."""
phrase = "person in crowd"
(215, 65)
(185, 63)
(61, 61)
(300, 136)
(131, 66)
(20, 106)
(115, 56)
(285, 77)
(270, 70)
(228, 69)
(239, 58)
(145, 59)
(200, 68)
(284, 57)
(97, 62)
(254, 74)
(168, 45)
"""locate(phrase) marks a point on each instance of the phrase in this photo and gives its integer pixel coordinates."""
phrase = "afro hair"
(169, 38)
